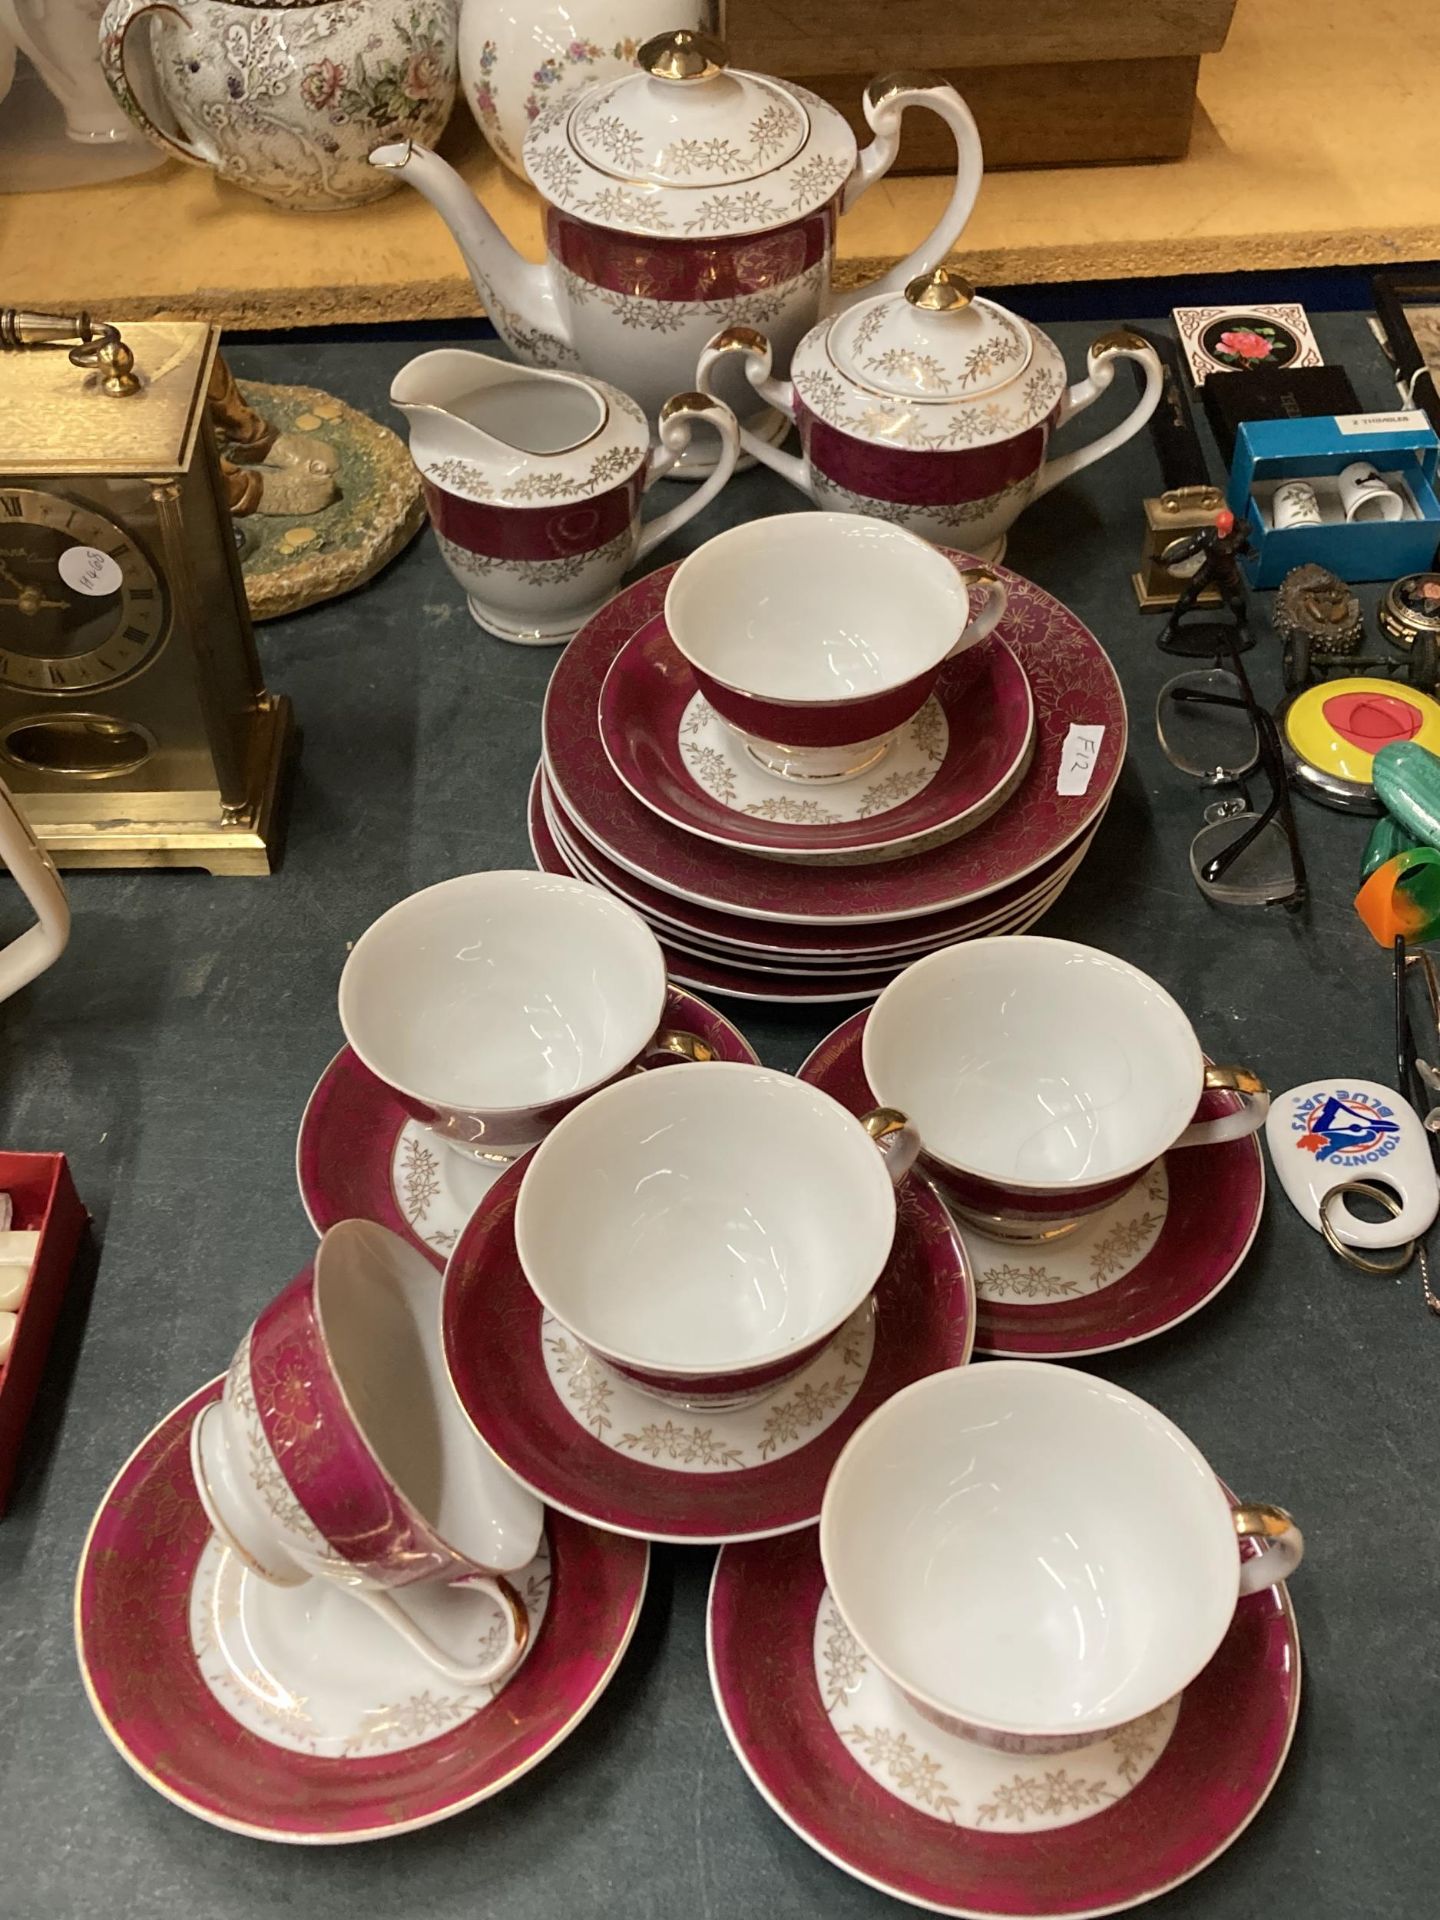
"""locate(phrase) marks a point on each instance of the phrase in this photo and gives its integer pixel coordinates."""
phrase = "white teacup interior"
(1029, 1548)
(705, 1217)
(1037, 1062)
(816, 607)
(378, 1302)
(502, 990)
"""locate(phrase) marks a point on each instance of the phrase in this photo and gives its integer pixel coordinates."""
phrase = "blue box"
(1401, 444)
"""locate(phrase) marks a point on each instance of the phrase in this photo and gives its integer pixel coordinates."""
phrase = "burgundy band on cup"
(829, 723)
(1017, 1204)
(325, 1461)
(920, 477)
(652, 268)
(504, 532)
(720, 1386)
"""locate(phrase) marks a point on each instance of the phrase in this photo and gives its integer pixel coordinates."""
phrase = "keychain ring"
(1383, 1197)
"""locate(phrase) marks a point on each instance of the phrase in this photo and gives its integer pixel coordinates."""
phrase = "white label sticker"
(1078, 758)
(1381, 422)
(90, 570)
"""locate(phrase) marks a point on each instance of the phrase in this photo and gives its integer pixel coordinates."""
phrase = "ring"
(1383, 1198)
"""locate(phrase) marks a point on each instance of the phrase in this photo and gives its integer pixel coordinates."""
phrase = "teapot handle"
(759, 361)
(677, 419)
(41, 945)
(115, 26)
(1104, 356)
(885, 102)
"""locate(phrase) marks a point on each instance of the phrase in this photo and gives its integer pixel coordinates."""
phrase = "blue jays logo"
(1348, 1129)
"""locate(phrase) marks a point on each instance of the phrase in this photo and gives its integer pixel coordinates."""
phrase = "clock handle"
(41, 945)
(115, 27)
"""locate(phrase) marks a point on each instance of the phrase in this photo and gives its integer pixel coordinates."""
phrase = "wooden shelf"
(1310, 149)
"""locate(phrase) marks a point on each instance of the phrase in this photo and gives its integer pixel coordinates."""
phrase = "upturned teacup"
(492, 1004)
(1035, 1557)
(817, 636)
(705, 1233)
(337, 1449)
(1044, 1078)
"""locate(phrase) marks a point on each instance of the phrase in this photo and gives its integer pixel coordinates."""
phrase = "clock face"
(81, 605)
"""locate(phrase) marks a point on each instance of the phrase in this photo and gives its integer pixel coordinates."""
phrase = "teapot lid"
(939, 342)
(936, 367)
(686, 147)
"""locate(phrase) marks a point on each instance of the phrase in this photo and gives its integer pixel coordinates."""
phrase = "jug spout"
(519, 296)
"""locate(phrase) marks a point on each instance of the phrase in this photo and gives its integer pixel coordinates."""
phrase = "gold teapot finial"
(943, 290)
(683, 54)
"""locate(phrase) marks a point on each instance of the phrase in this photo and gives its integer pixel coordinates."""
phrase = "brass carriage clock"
(135, 727)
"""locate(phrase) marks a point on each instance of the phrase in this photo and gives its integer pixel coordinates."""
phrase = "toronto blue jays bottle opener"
(1330, 1134)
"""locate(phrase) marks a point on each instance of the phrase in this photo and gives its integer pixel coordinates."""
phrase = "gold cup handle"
(673, 1043)
(1283, 1548)
(990, 615)
(1247, 1118)
(897, 1141)
(119, 17)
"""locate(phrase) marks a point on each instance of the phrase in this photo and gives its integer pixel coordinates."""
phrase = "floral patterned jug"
(288, 98)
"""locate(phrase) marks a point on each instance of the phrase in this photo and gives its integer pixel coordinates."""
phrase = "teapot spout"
(519, 296)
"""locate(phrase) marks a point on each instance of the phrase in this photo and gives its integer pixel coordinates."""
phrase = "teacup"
(1035, 1557)
(337, 1448)
(706, 1233)
(817, 636)
(1044, 1078)
(492, 1004)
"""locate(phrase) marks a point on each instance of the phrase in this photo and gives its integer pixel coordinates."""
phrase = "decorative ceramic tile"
(1230, 339)
(630, 1421)
(312, 1669)
(1094, 1256)
(957, 1780)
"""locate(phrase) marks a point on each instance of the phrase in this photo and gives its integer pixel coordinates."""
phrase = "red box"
(44, 1199)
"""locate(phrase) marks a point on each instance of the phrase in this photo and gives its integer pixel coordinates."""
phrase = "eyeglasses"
(1210, 726)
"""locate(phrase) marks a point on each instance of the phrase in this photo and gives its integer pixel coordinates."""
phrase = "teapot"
(932, 408)
(680, 197)
(533, 480)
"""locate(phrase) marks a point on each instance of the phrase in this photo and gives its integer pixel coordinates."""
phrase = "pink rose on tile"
(1245, 344)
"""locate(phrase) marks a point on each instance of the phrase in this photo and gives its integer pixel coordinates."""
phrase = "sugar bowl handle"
(1104, 356)
(759, 364)
(896, 1139)
(39, 946)
(677, 420)
(1282, 1550)
(119, 17)
(1246, 1119)
(482, 1674)
(885, 102)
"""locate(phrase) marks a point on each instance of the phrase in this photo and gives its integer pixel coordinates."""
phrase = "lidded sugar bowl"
(932, 407)
(682, 197)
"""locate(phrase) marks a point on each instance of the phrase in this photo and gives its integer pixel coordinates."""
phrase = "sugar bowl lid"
(686, 146)
(936, 367)
(939, 341)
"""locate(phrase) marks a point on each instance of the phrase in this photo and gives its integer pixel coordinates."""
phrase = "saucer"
(360, 1156)
(158, 1606)
(591, 1444)
(1156, 1256)
(789, 938)
(943, 1823)
(950, 767)
(1071, 680)
(750, 943)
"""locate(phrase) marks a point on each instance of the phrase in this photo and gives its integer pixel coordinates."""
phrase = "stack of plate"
(972, 824)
